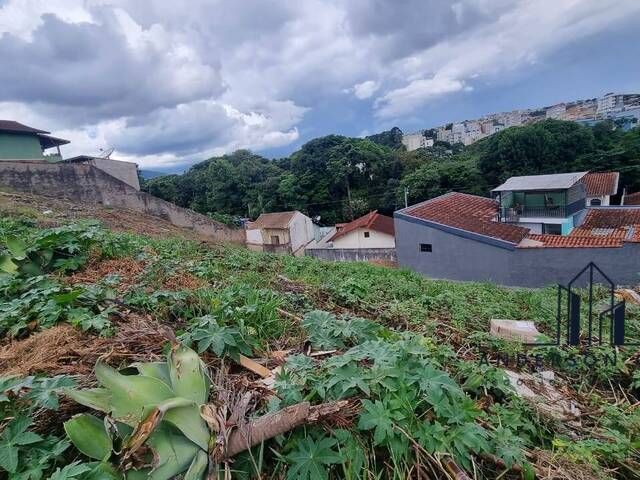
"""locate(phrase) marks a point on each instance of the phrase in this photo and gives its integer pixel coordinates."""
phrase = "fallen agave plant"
(158, 423)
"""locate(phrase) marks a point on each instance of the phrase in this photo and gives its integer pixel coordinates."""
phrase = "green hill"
(380, 371)
(338, 178)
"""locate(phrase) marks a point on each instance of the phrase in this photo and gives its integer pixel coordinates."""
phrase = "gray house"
(536, 230)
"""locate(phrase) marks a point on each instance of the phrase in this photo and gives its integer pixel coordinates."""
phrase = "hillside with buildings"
(623, 109)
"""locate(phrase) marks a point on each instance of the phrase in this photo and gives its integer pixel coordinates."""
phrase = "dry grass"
(66, 350)
(126, 268)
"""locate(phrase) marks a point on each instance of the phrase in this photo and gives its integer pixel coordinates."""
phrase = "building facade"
(280, 232)
(551, 235)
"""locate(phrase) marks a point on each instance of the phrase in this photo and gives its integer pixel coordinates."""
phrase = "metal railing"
(511, 214)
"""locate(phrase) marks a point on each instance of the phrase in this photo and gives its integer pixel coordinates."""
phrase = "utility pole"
(406, 195)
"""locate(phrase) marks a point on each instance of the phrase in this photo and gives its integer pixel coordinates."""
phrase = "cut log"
(273, 424)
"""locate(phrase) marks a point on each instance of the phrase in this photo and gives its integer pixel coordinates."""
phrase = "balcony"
(514, 214)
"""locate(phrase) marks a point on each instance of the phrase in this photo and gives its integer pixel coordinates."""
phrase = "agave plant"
(158, 423)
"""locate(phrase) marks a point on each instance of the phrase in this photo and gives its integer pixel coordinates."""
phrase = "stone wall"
(352, 254)
(86, 183)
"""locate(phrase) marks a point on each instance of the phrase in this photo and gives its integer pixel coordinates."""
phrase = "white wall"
(300, 232)
(604, 199)
(254, 236)
(356, 239)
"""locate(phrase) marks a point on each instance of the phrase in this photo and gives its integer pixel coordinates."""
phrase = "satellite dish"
(106, 152)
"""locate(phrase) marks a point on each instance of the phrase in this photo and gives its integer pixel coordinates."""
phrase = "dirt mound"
(67, 350)
(53, 211)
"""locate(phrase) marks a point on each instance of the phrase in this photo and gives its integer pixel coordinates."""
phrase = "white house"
(414, 141)
(370, 231)
(280, 232)
(600, 187)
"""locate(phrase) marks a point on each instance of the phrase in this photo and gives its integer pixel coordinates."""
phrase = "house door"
(275, 239)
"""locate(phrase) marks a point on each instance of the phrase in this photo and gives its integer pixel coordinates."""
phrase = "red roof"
(468, 212)
(602, 183)
(632, 199)
(602, 227)
(570, 241)
(371, 221)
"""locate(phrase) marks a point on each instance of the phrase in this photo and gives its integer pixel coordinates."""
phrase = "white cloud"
(406, 99)
(173, 82)
(365, 89)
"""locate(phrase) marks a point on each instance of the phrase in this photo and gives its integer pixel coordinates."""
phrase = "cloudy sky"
(169, 83)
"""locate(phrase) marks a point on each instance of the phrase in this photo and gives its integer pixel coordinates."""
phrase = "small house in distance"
(368, 238)
(20, 142)
(280, 232)
(373, 230)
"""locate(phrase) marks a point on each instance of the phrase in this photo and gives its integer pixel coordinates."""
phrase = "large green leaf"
(131, 393)
(173, 451)
(188, 420)
(159, 370)
(17, 247)
(187, 373)
(6, 265)
(198, 467)
(89, 436)
(96, 398)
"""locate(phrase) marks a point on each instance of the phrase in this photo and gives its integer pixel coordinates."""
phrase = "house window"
(366, 234)
(426, 247)
(596, 202)
(552, 228)
(275, 239)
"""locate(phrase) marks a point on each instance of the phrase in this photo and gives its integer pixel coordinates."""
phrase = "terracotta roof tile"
(468, 212)
(371, 221)
(632, 199)
(602, 227)
(569, 241)
(601, 183)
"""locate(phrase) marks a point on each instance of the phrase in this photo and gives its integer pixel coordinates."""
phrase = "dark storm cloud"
(405, 26)
(91, 67)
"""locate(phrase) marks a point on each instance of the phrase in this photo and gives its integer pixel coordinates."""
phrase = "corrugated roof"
(273, 220)
(370, 221)
(601, 183)
(12, 126)
(540, 182)
(467, 212)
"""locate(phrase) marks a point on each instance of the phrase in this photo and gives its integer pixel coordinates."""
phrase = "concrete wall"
(86, 183)
(454, 257)
(300, 231)
(125, 171)
(356, 239)
(18, 147)
(352, 254)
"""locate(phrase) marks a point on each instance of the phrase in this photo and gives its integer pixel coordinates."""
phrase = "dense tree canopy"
(337, 178)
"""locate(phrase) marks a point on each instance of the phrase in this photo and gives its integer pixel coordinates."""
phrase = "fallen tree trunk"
(256, 431)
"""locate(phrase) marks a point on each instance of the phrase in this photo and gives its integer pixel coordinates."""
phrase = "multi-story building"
(537, 230)
(414, 141)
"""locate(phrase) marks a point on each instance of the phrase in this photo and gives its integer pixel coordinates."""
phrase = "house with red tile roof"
(601, 186)
(372, 230)
(368, 238)
(536, 230)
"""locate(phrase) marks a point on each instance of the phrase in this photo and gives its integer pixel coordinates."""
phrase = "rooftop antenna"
(106, 152)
